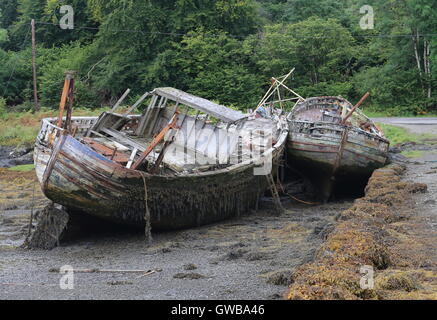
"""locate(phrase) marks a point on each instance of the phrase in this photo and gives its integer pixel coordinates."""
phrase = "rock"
(255, 256)
(279, 277)
(323, 229)
(5, 151)
(191, 276)
(20, 151)
(190, 266)
(10, 157)
(51, 224)
(395, 150)
(235, 254)
(397, 158)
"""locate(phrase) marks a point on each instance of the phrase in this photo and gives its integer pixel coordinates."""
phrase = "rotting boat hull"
(331, 154)
(77, 177)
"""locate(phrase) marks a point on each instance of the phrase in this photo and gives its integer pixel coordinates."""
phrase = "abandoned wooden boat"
(331, 142)
(333, 150)
(119, 166)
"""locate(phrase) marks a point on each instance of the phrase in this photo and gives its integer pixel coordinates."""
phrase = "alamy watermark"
(367, 280)
(67, 280)
(67, 21)
(367, 22)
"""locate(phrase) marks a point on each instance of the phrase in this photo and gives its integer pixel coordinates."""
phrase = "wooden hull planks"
(82, 179)
(328, 152)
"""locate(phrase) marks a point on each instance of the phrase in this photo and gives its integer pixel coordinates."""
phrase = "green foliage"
(18, 135)
(212, 65)
(8, 9)
(322, 51)
(225, 50)
(53, 64)
(15, 76)
(23, 168)
(398, 135)
(2, 107)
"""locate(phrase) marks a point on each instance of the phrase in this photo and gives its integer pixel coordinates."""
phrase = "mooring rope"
(304, 202)
(29, 231)
(294, 198)
(148, 228)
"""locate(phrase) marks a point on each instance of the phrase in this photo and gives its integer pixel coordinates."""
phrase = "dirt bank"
(392, 229)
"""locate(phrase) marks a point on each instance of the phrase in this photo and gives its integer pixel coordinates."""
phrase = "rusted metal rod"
(156, 141)
(65, 92)
(67, 124)
(355, 107)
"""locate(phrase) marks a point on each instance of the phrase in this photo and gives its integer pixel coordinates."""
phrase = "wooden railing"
(49, 130)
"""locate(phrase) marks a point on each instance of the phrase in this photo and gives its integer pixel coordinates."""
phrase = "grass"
(412, 154)
(21, 128)
(23, 168)
(393, 112)
(398, 135)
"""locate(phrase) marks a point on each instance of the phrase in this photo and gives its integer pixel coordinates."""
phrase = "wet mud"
(246, 258)
(257, 256)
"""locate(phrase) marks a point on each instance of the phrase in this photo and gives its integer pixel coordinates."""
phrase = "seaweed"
(368, 233)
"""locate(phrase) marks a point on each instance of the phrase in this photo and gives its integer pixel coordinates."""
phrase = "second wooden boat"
(330, 142)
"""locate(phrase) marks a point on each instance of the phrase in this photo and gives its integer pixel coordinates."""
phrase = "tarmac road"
(415, 125)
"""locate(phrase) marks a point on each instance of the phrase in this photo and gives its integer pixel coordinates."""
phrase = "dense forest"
(224, 50)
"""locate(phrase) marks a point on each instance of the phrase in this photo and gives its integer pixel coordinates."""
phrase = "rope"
(148, 228)
(305, 202)
(29, 231)
(293, 197)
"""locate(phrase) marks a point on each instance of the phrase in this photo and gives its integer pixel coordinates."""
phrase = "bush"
(54, 63)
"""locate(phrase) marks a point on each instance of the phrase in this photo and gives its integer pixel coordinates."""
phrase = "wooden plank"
(152, 123)
(156, 141)
(355, 107)
(115, 107)
(63, 99)
(218, 111)
(107, 152)
(142, 122)
(123, 139)
(131, 158)
(136, 104)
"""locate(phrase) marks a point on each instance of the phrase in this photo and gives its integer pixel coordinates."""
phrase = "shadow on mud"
(57, 225)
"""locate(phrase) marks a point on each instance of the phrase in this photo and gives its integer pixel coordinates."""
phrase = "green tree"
(212, 65)
(3, 32)
(149, 28)
(9, 13)
(322, 51)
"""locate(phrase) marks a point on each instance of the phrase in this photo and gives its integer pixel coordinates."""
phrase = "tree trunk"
(427, 66)
(416, 53)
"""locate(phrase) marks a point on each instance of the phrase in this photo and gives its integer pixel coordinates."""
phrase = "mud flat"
(251, 257)
(310, 252)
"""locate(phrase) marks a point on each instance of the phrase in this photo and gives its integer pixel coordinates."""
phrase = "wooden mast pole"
(35, 87)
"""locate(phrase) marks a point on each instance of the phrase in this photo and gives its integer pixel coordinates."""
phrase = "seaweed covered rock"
(51, 223)
(363, 237)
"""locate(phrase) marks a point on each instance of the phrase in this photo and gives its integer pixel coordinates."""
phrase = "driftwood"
(95, 270)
